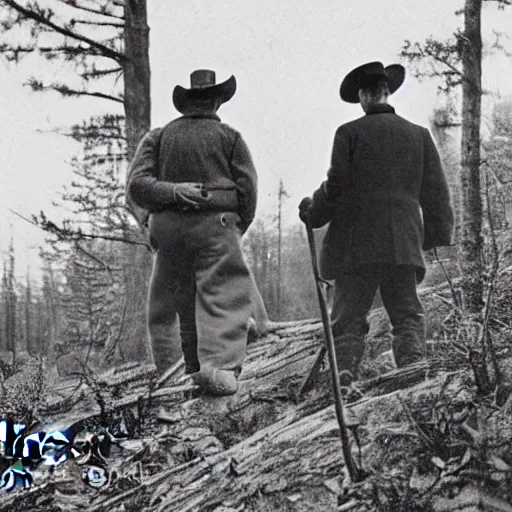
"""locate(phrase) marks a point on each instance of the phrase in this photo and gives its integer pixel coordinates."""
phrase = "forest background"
(85, 294)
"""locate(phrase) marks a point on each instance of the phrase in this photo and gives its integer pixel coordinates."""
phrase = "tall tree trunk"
(280, 195)
(4, 324)
(137, 107)
(40, 327)
(11, 319)
(28, 316)
(471, 224)
(137, 94)
(471, 243)
(51, 313)
(12, 300)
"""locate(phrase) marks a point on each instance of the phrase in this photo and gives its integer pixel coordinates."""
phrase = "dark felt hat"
(203, 86)
(368, 74)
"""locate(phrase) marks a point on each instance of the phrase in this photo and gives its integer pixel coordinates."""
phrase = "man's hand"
(189, 194)
(304, 208)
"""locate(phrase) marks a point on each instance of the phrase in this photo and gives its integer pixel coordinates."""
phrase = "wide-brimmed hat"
(368, 74)
(203, 86)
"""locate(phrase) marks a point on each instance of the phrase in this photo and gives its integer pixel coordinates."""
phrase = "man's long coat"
(386, 195)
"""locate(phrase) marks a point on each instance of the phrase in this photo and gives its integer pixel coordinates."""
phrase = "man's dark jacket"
(196, 147)
(386, 195)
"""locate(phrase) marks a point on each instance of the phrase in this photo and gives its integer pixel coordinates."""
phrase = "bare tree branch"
(29, 14)
(66, 91)
(70, 235)
(12, 54)
(97, 23)
(501, 3)
(95, 73)
(89, 135)
(93, 257)
(72, 92)
(446, 53)
(74, 3)
(498, 45)
(67, 49)
(445, 62)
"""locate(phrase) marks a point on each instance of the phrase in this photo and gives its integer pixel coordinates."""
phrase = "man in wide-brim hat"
(386, 200)
(196, 181)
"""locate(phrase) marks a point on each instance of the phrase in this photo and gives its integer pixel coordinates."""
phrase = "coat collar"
(202, 114)
(381, 108)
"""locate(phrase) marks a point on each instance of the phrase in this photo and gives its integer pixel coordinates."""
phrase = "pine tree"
(11, 299)
(444, 127)
(458, 62)
(4, 311)
(28, 314)
(102, 41)
(498, 163)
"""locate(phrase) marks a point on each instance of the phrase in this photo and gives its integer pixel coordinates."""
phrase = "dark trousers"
(200, 275)
(354, 293)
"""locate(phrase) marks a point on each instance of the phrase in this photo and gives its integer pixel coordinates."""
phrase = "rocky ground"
(424, 438)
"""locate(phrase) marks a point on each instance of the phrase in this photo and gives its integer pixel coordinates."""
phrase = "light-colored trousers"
(200, 275)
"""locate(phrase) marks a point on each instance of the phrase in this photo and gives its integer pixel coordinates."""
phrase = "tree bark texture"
(137, 108)
(137, 94)
(471, 222)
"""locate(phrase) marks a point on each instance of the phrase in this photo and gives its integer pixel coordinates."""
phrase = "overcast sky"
(289, 57)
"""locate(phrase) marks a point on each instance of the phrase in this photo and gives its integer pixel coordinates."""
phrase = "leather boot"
(349, 352)
(408, 349)
(189, 349)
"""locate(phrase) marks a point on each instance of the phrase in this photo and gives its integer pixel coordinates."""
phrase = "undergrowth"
(24, 393)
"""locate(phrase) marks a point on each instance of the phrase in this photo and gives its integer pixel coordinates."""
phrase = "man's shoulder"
(220, 125)
(364, 121)
(229, 129)
(375, 119)
(372, 125)
(351, 124)
(152, 133)
(348, 128)
(170, 124)
(400, 123)
(410, 124)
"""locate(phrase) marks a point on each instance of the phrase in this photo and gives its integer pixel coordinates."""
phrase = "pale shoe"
(216, 382)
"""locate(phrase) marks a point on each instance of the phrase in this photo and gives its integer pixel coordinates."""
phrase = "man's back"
(386, 154)
(197, 178)
(381, 157)
(386, 198)
(197, 148)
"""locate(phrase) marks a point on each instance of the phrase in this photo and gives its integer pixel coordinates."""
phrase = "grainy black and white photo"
(256, 256)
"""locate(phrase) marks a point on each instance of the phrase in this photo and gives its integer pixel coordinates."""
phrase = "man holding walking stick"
(386, 199)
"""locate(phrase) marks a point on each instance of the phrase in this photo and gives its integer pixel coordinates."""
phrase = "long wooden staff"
(354, 472)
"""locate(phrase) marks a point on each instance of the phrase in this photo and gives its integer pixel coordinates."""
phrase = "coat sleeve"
(246, 180)
(438, 218)
(333, 191)
(143, 186)
(321, 210)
